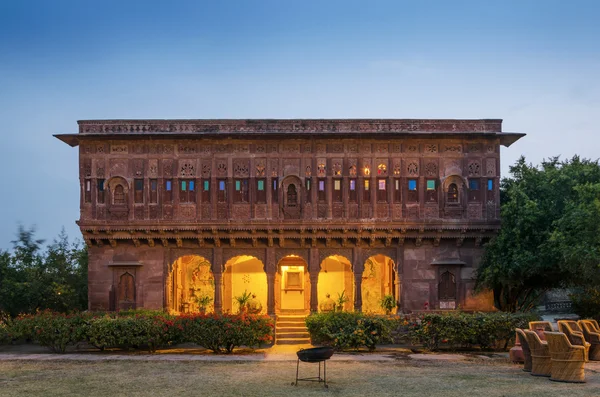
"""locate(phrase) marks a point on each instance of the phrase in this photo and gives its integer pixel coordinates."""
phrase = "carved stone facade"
(421, 193)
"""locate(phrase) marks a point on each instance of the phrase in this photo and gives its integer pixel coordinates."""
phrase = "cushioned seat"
(574, 334)
(545, 325)
(592, 336)
(540, 355)
(567, 359)
(526, 351)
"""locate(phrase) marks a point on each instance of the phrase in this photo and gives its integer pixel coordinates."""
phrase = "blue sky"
(532, 63)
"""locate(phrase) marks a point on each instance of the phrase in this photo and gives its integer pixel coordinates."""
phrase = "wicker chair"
(571, 323)
(575, 337)
(545, 325)
(540, 355)
(525, 348)
(594, 323)
(592, 336)
(567, 359)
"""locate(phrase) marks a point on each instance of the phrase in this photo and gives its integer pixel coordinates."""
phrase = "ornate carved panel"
(206, 167)
(291, 167)
(100, 168)
(206, 149)
(86, 168)
(306, 148)
(452, 148)
(320, 147)
(382, 167)
(474, 148)
(381, 148)
(260, 148)
(365, 148)
(221, 167)
(241, 148)
(335, 148)
(260, 166)
(274, 167)
(321, 167)
(119, 149)
(352, 167)
(221, 148)
(396, 147)
(490, 167)
(412, 168)
(187, 211)
(241, 168)
(474, 211)
(336, 167)
(411, 148)
(412, 211)
(290, 148)
(187, 148)
(138, 168)
(167, 149)
(430, 148)
(139, 148)
(431, 212)
(153, 168)
(168, 168)
(474, 168)
(353, 148)
(431, 169)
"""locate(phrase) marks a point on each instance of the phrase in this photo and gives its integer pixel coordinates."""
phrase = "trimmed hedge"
(349, 330)
(457, 329)
(145, 329)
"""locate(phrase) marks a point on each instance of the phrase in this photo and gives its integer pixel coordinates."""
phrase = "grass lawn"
(404, 377)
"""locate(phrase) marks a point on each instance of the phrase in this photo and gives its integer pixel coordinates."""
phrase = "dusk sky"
(535, 64)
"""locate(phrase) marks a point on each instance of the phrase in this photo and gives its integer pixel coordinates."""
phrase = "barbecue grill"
(314, 355)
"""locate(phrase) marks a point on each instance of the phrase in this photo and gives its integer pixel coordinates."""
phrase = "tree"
(32, 280)
(542, 212)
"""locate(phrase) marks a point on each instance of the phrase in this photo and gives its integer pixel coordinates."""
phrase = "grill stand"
(314, 378)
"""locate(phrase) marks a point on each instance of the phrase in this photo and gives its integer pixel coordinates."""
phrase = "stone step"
(291, 329)
(292, 335)
(295, 341)
(288, 324)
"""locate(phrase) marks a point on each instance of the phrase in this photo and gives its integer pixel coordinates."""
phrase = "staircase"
(291, 330)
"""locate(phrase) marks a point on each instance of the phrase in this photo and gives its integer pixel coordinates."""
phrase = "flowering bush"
(224, 332)
(344, 330)
(458, 329)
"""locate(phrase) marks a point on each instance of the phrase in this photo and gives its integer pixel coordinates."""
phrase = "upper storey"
(289, 173)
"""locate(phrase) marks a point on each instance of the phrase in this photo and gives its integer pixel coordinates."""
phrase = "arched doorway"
(336, 279)
(292, 203)
(244, 274)
(292, 286)
(378, 280)
(190, 282)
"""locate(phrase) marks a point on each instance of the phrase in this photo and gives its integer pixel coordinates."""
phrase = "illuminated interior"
(378, 279)
(293, 285)
(336, 278)
(191, 277)
(244, 274)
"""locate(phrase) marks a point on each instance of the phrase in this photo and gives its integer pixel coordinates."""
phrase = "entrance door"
(293, 289)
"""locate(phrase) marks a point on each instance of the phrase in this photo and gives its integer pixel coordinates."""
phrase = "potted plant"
(242, 301)
(203, 301)
(388, 303)
(342, 298)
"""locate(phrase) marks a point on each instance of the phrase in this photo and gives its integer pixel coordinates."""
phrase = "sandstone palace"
(290, 211)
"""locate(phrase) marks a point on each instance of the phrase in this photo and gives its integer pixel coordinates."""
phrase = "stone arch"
(292, 193)
(292, 294)
(283, 252)
(379, 278)
(257, 253)
(336, 277)
(244, 274)
(126, 291)
(460, 184)
(190, 279)
(115, 182)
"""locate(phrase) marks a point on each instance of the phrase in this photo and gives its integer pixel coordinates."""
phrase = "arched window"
(452, 193)
(447, 287)
(292, 196)
(119, 196)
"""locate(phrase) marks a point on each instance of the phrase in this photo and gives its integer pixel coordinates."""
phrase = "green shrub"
(224, 332)
(55, 331)
(349, 330)
(458, 329)
(586, 302)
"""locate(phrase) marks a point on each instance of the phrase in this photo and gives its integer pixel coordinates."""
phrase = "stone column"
(357, 268)
(313, 269)
(271, 294)
(218, 275)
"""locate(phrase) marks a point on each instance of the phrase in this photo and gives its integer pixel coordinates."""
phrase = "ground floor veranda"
(282, 280)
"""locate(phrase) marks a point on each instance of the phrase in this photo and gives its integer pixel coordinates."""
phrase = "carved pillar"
(313, 269)
(357, 268)
(218, 275)
(271, 270)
